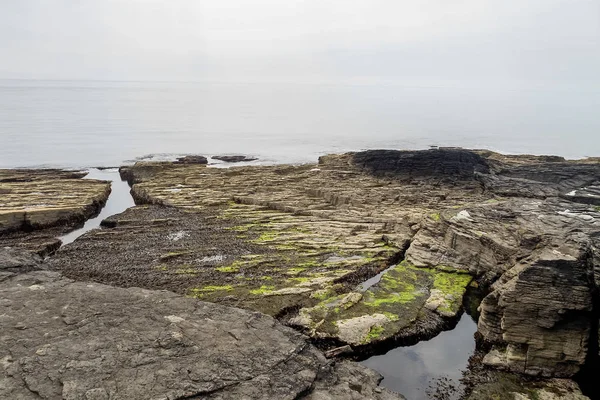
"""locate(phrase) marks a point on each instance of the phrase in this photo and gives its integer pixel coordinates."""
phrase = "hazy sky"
(536, 41)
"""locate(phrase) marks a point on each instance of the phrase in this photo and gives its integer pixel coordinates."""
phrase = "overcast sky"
(537, 41)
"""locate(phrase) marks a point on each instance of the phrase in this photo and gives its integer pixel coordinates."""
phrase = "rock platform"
(359, 251)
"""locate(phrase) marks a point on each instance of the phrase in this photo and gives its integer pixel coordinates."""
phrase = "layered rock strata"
(366, 248)
(48, 203)
(291, 241)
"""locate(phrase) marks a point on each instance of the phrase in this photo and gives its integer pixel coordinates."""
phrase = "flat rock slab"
(35, 199)
(76, 340)
(223, 259)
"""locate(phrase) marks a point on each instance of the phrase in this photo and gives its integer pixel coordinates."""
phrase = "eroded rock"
(295, 242)
(501, 386)
(290, 238)
(541, 318)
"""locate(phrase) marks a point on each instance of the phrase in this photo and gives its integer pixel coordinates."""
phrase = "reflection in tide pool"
(412, 370)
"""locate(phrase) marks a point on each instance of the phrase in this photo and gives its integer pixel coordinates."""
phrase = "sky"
(534, 41)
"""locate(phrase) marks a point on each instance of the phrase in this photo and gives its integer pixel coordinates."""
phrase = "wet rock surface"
(192, 160)
(234, 159)
(72, 340)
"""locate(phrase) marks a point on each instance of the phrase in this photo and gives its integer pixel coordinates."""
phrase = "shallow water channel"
(119, 200)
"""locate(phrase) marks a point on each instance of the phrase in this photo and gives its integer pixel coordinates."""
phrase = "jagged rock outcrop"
(541, 257)
(78, 340)
(541, 317)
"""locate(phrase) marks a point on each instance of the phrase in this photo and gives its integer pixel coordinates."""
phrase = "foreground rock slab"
(77, 340)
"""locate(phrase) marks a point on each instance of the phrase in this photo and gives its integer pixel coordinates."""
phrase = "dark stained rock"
(192, 160)
(455, 163)
(541, 176)
(589, 194)
(234, 159)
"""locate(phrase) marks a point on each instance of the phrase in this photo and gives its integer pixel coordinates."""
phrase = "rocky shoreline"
(297, 243)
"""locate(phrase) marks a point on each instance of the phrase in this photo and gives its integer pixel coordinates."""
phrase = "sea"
(78, 124)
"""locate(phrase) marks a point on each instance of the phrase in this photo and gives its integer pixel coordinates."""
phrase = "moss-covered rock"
(388, 307)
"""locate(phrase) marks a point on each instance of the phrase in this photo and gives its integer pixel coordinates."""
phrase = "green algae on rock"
(387, 308)
(296, 241)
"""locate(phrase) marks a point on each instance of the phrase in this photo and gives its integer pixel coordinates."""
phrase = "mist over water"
(96, 123)
(88, 83)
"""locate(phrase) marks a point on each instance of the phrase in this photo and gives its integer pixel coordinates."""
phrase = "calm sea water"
(82, 124)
